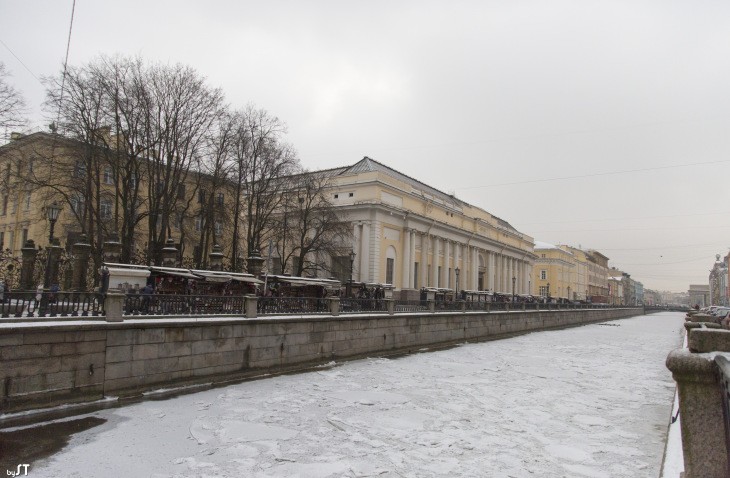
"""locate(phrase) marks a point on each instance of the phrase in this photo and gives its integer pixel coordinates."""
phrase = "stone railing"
(701, 399)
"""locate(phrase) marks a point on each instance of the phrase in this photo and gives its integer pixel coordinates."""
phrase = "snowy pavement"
(591, 401)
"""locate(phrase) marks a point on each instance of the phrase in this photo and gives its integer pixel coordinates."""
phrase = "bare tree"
(180, 113)
(262, 158)
(309, 231)
(12, 103)
(216, 168)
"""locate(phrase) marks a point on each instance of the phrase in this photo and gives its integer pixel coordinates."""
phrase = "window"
(219, 199)
(4, 209)
(14, 207)
(133, 181)
(24, 237)
(218, 228)
(336, 196)
(201, 196)
(341, 268)
(199, 222)
(80, 169)
(181, 191)
(106, 208)
(108, 176)
(30, 167)
(78, 204)
(11, 240)
(276, 266)
(543, 291)
(415, 275)
(389, 268)
(543, 275)
(28, 196)
(2, 240)
(352, 194)
(177, 222)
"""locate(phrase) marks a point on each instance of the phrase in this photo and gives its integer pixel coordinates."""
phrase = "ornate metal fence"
(411, 306)
(32, 304)
(163, 304)
(363, 305)
(292, 305)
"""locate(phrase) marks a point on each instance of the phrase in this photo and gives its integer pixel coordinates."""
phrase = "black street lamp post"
(514, 279)
(52, 213)
(457, 271)
(548, 291)
(352, 269)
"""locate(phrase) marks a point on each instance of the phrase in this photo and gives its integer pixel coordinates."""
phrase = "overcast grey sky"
(600, 124)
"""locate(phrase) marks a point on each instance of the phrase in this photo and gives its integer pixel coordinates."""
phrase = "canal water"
(590, 401)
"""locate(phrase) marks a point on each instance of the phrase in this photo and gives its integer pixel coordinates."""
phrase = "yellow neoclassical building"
(411, 235)
(571, 273)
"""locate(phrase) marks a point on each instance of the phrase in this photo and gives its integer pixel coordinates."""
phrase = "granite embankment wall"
(47, 365)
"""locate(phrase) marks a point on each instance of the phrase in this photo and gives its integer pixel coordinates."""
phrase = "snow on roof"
(544, 245)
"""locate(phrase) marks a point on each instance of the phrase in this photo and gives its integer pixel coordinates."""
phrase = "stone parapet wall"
(43, 366)
(704, 440)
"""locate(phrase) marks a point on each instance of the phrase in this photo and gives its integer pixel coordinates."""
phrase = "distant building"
(718, 282)
(699, 294)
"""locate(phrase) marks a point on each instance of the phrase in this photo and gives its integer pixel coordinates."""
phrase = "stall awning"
(246, 278)
(212, 276)
(304, 281)
(174, 272)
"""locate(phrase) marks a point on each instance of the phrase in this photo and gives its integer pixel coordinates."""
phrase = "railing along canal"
(32, 304)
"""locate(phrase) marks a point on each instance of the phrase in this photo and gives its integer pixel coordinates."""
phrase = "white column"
(475, 268)
(425, 243)
(365, 254)
(434, 262)
(411, 276)
(513, 273)
(497, 272)
(406, 271)
(445, 274)
(357, 249)
(526, 277)
(489, 282)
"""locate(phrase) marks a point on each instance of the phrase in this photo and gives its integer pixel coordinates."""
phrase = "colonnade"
(436, 262)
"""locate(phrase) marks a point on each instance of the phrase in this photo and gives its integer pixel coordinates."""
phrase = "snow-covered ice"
(592, 401)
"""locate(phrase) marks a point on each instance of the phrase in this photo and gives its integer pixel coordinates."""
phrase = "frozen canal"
(592, 401)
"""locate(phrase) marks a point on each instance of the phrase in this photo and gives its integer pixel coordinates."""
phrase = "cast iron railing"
(292, 305)
(33, 304)
(172, 304)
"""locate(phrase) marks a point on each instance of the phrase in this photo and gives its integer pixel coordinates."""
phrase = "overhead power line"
(608, 173)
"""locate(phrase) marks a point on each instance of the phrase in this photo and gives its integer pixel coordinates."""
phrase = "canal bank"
(582, 401)
(46, 365)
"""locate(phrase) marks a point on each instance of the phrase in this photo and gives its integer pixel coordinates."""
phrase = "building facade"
(718, 282)
(411, 235)
(699, 295)
(43, 168)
